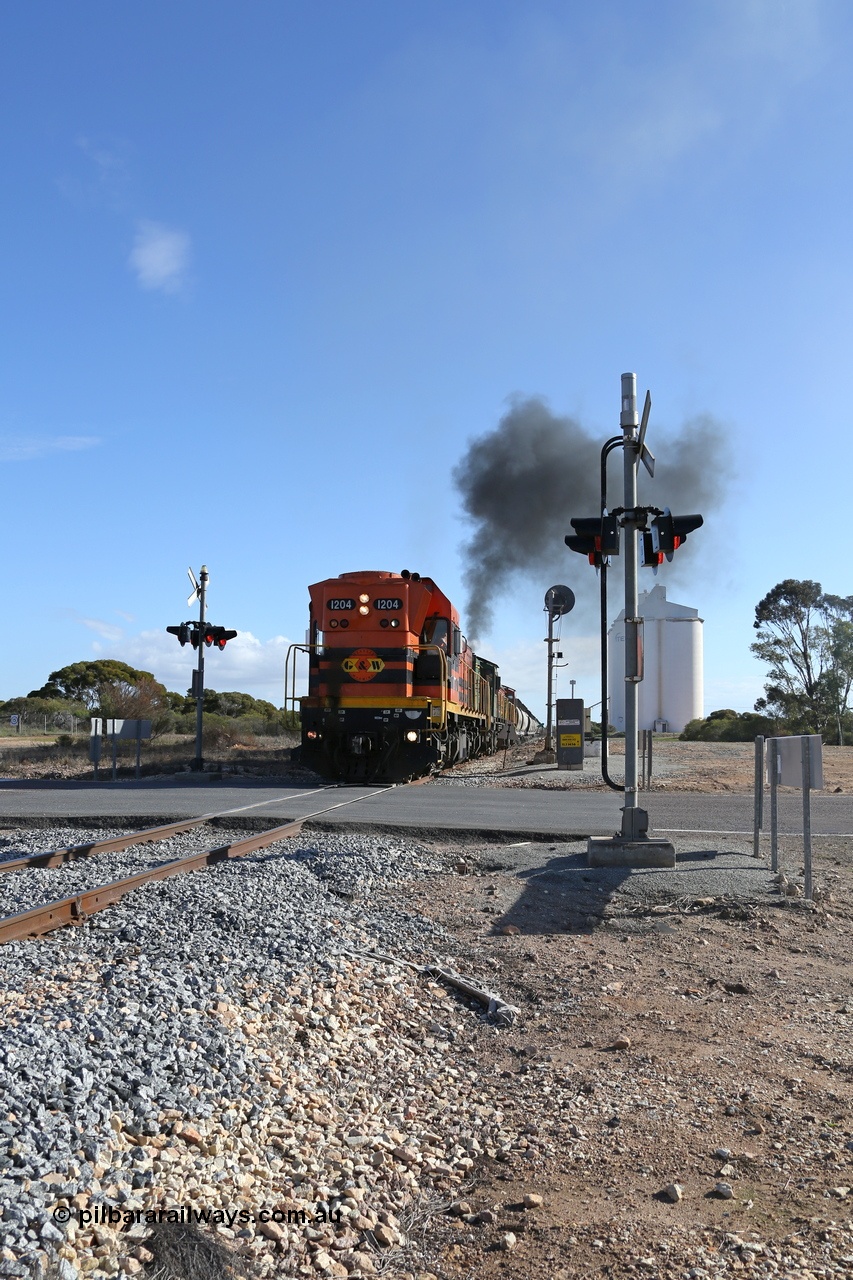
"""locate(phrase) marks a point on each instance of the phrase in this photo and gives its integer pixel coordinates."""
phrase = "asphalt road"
(516, 813)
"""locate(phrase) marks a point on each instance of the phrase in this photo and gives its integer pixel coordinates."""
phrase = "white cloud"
(106, 159)
(106, 630)
(25, 448)
(160, 257)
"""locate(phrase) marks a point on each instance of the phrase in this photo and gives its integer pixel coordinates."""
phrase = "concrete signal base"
(614, 851)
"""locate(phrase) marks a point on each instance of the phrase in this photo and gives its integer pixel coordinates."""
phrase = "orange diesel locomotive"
(394, 688)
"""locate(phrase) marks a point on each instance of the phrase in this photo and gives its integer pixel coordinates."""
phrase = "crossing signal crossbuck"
(192, 633)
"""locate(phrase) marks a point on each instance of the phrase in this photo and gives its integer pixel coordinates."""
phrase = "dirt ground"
(679, 1078)
(676, 766)
(680, 1075)
(694, 1045)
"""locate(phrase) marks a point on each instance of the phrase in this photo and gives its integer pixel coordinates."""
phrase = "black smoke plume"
(521, 484)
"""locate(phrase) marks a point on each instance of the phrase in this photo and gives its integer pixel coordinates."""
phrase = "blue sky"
(270, 268)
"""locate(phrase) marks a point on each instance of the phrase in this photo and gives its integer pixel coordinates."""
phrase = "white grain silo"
(671, 691)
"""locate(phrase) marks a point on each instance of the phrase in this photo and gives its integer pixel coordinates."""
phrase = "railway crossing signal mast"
(659, 533)
(559, 600)
(201, 635)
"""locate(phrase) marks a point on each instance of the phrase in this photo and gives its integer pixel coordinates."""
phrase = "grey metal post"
(807, 817)
(629, 421)
(138, 746)
(199, 705)
(114, 751)
(758, 815)
(773, 770)
(549, 717)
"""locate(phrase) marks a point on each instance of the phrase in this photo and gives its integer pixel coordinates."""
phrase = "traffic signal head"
(595, 537)
(668, 532)
(184, 632)
(218, 636)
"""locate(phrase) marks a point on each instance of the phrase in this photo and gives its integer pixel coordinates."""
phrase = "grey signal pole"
(199, 675)
(631, 847)
(549, 718)
(629, 421)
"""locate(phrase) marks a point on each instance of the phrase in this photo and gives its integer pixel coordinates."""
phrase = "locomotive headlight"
(363, 599)
(411, 736)
(333, 622)
(395, 622)
(363, 610)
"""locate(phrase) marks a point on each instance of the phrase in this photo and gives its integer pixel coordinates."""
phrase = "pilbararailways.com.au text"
(106, 1214)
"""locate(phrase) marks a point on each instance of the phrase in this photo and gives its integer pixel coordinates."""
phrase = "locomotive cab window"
(437, 631)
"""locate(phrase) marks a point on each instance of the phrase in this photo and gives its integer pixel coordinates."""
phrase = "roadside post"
(795, 761)
(95, 744)
(758, 811)
(102, 727)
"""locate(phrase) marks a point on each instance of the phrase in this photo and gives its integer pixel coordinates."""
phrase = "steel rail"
(72, 852)
(80, 906)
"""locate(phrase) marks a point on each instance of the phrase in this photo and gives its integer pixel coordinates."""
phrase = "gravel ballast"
(222, 1040)
(237, 1042)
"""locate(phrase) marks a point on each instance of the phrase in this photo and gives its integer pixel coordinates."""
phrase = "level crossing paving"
(495, 811)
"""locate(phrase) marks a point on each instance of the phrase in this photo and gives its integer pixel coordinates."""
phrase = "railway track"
(77, 908)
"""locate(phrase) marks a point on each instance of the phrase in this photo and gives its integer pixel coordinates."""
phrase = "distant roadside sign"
(109, 728)
(14, 719)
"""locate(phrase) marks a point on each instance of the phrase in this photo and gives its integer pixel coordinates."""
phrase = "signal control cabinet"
(569, 735)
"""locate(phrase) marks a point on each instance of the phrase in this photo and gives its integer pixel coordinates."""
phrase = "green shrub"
(729, 726)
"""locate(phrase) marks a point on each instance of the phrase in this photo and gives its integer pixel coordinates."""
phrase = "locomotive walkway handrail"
(290, 700)
(441, 724)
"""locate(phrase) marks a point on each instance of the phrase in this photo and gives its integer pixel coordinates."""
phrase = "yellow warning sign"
(570, 739)
(363, 664)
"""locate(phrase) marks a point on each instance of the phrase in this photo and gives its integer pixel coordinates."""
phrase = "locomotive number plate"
(340, 604)
(387, 602)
